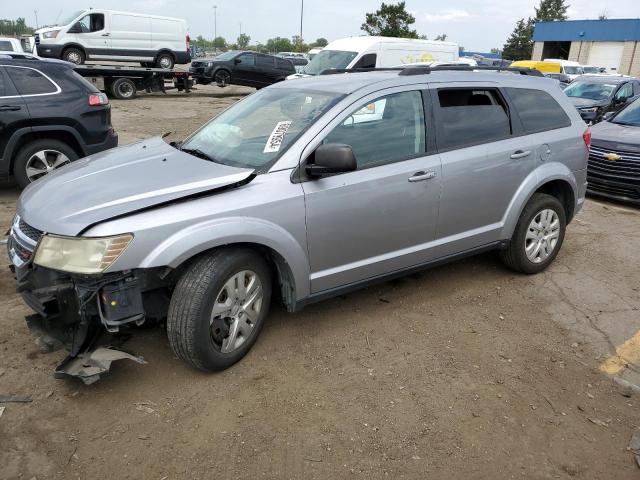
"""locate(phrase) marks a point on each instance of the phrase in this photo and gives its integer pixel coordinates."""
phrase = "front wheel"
(218, 308)
(73, 55)
(538, 235)
(222, 78)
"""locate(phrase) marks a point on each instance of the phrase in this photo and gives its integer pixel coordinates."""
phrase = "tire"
(541, 235)
(31, 157)
(73, 55)
(204, 285)
(222, 78)
(123, 89)
(165, 60)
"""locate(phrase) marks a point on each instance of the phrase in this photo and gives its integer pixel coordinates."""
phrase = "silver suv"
(301, 191)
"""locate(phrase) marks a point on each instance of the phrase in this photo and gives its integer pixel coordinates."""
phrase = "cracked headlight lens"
(80, 254)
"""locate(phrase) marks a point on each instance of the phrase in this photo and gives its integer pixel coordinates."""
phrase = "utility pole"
(215, 27)
(301, 15)
(35, 12)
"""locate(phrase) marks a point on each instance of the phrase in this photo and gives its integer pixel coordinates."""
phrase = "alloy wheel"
(43, 162)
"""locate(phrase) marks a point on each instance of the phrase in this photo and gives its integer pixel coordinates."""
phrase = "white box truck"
(378, 52)
(98, 34)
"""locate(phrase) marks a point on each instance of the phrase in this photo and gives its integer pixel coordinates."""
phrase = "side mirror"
(332, 158)
(236, 61)
(607, 116)
(75, 28)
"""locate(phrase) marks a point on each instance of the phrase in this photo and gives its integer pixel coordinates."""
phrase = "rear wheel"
(218, 308)
(73, 55)
(38, 158)
(538, 235)
(123, 89)
(165, 60)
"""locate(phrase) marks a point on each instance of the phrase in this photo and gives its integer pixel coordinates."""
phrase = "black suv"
(49, 116)
(595, 95)
(250, 69)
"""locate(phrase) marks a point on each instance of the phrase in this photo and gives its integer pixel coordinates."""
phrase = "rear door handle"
(9, 108)
(422, 176)
(520, 154)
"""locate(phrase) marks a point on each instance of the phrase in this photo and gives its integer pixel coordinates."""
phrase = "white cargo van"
(97, 34)
(379, 52)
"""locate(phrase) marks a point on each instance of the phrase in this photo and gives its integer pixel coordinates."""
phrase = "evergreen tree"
(519, 45)
(551, 10)
(390, 21)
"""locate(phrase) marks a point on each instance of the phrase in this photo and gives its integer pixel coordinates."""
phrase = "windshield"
(70, 18)
(227, 55)
(629, 116)
(573, 70)
(327, 59)
(255, 132)
(590, 91)
(591, 69)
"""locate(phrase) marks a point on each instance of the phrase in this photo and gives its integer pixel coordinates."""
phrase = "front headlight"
(80, 254)
(51, 34)
(589, 110)
(209, 64)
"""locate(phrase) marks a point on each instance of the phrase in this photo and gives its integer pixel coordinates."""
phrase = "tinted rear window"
(265, 61)
(30, 82)
(538, 110)
(6, 46)
(471, 117)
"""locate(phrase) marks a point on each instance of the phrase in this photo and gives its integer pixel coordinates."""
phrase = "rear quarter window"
(538, 111)
(6, 46)
(29, 81)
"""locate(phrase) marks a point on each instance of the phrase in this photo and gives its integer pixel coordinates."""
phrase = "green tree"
(496, 50)
(519, 45)
(551, 10)
(15, 27)
(390, 21)
(298, 44)
(279, 44)
(219, 42)
(442, 37)
(320, 43)
(243, 41)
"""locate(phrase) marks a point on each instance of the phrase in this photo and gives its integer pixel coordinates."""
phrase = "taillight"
(188, 42)
(586, 136)
(98, 99)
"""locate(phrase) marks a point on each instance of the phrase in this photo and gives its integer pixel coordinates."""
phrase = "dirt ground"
(464, 371)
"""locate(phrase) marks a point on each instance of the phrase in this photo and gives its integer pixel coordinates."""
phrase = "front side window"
(91, 23)
(366, 61)
(625, 92)
(538, 110)
(247, 59)
(386, 130)
(471, 116)
(329, 59)
(255, 132)
(590, 90)
(30, 82)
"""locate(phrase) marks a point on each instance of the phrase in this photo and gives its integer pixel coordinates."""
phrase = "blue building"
(613, 44)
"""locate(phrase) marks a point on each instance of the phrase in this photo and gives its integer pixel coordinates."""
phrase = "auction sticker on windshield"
(277, 136)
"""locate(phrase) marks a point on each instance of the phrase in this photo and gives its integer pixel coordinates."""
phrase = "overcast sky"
(478, 25)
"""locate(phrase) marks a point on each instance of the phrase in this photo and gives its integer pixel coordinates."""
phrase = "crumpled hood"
(587, 103)
(616, 137)
(117, 182)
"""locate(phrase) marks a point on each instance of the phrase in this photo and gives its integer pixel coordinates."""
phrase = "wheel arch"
(554, 179)
(73, 45)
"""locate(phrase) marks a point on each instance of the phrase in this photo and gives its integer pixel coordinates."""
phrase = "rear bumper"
(110, 142)
(182, 58)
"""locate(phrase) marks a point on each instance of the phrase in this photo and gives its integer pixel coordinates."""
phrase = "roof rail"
(419, 70)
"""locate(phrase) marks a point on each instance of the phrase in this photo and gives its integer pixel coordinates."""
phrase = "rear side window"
(31, 82)
(264, 61)
(538, 110)
(3, 84)
(284, 64)
(471, 116)
(6, 46)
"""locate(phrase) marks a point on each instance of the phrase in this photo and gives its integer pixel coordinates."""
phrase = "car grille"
(197, 64)
(619, 177)
(22, 241)
(33, 233)
(37, 39)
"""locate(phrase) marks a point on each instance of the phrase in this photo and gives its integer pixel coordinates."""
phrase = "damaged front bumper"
(83, 313)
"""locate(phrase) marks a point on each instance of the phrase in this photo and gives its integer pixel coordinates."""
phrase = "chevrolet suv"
(299, 192)
(49, 116)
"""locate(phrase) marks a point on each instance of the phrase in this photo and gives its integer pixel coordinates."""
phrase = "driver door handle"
(9, 108)
(422, 176)
(106, 34)
(520, 154)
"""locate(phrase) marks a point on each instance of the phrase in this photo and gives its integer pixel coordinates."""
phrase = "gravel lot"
(464, 371)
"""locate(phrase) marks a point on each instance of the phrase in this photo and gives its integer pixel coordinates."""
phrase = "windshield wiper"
(196, 152)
